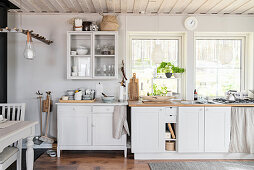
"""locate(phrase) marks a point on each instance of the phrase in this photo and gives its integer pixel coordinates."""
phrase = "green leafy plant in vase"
(165, 67)
(177, 71)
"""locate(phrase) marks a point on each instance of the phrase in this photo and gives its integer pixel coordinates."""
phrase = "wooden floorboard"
(96, 160)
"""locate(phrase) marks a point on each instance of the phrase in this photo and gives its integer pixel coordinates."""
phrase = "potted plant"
(165, 67)
(177, 71)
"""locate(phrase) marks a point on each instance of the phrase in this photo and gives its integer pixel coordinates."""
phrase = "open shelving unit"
(95, 64)
(170, 129)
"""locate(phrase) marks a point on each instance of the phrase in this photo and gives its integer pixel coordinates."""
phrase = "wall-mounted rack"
(33, 35)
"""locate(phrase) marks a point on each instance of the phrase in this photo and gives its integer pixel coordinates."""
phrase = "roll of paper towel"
(1, 117)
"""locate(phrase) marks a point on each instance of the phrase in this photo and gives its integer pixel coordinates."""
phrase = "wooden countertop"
(178, 104)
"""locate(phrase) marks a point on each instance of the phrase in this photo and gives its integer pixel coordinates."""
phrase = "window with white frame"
(219, 64)
(141, 49)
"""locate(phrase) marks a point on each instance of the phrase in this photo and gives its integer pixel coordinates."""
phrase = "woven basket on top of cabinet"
(109, 23)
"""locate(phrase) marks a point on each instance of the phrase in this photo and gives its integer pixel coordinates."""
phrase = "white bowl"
(82, 51)
(108, 99)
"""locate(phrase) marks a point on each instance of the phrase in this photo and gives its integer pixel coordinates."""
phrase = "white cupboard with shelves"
(101, 59)
(87, 127)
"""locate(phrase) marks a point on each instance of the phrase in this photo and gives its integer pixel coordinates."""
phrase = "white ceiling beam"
(244, 7)
(123, 6)
(49, 6)
(32, 5)
(70, 6)
(110, 6)
(77, 6)
(118, 6)
(232, 6)
(193, 6)
(166, 6)
(130, 6)
(84, 6)
(58, 6)
(220, 6)
(104, 5)
(180, 6)
(138, 5)
(63, 5)
(153, 6)
(23, 7)
(91, 6)
(97, 6)
(207, 6)
(249, 11)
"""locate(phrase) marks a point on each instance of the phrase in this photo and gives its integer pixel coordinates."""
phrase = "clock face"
(191, 23)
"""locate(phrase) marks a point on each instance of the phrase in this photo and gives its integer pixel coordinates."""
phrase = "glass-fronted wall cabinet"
(92, 55)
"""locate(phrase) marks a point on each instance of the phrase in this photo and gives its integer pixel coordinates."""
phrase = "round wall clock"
(191, 23)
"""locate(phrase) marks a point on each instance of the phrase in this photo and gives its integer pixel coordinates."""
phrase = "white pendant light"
(29, 52)
(157, 53)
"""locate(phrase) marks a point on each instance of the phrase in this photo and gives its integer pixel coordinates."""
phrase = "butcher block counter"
(187, 104)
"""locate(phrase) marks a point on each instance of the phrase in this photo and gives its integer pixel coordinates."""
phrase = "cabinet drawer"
(171, 110)
(103, 109)
(169, 118)
(73, 109)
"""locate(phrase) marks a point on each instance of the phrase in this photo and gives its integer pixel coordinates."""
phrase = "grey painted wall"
(48, 70)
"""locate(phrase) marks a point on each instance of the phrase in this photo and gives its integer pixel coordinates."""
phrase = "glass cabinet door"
(80, 52)
(104, 55)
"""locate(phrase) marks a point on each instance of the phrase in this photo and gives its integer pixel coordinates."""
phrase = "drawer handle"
(74, 109)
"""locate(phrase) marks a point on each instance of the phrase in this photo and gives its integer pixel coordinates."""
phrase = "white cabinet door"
(191, 129)
(74, 128)
(217, 129)
(145, 129)
(103, 130)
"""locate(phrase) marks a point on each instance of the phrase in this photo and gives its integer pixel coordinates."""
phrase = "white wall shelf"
(95, 64)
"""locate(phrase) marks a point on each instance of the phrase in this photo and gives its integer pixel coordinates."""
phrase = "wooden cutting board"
(133, 88)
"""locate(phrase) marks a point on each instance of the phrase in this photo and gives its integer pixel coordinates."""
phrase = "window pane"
(218, 66)
(142, 62)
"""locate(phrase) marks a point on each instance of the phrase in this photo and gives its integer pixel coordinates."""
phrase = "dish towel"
(120, 124)
(242, 128)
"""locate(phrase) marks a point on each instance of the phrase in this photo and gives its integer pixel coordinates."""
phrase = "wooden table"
(18, 131)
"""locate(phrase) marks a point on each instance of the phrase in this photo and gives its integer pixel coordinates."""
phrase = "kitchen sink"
(197, 102)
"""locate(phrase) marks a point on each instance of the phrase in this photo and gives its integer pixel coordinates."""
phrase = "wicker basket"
(109, 26)
(170, 146)
(110, 18)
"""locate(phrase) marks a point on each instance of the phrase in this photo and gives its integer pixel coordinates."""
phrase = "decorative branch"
(124, 75)
(33, 35)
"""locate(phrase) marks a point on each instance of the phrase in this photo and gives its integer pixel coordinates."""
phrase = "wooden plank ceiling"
(237, 7)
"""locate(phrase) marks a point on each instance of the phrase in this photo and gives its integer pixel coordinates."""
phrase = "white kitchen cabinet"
(87, 128)
(191, 129)
(101, 60)
(74, 126)
(102, 130)
(145, 129)
(217, 129)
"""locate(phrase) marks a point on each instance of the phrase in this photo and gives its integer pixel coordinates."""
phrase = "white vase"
(121, 91)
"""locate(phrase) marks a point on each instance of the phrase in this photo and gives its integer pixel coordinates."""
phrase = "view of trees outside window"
(144, 68)
(218, 66)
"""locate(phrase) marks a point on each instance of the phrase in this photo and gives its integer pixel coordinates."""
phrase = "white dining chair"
(13, 112)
